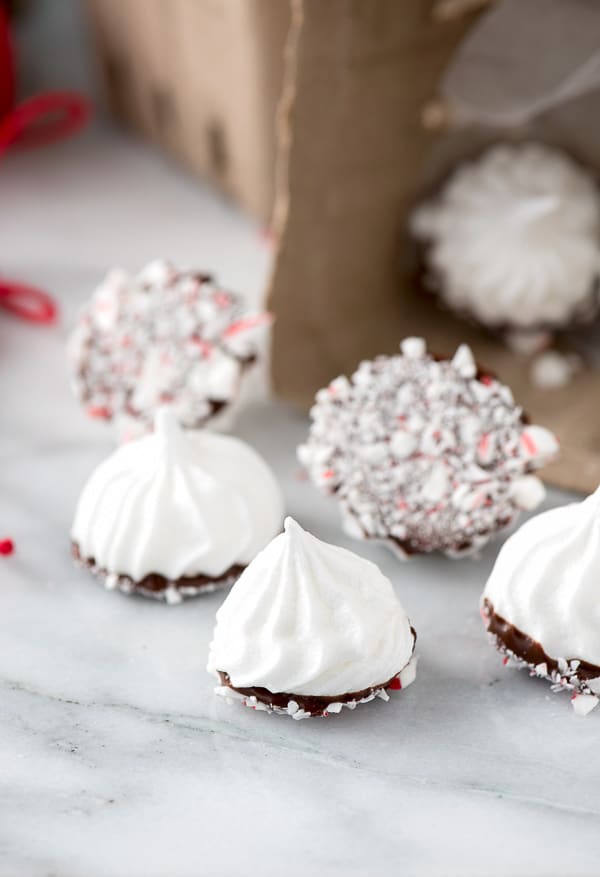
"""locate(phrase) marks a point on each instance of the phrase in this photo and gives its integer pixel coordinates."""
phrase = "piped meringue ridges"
(513, 239)
(176, 504)
(545, 584)
(312, 620)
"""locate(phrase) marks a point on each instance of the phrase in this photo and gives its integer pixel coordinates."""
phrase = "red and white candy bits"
(428, 454)
(7, 547)
(164, 336)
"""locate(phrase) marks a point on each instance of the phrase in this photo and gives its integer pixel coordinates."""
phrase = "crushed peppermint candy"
(400, 682)
(427, 454)
(174, 592)
(162, 337)
(564, 674)
(564, 677)
(293, 709)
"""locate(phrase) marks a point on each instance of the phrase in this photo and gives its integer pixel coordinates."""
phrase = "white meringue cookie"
(514, 238)
(177, 504)
(309, 618)
(546, 581)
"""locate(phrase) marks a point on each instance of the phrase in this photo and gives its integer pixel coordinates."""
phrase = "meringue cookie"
(541, 602)
(513, 239)
(312, 623)
(425, 454)
(164, 335)
(177, 507)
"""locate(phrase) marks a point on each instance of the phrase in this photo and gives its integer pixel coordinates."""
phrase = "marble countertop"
(115, 756)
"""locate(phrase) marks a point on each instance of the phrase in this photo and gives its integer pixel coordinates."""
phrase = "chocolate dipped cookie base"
(157, 586)
(304, 706)
(579, 677)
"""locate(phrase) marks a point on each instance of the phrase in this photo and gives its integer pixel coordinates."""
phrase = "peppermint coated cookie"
(427, 454)
(162, 337)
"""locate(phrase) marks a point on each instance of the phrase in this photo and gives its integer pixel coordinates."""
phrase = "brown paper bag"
(202, 79)
(354, 158)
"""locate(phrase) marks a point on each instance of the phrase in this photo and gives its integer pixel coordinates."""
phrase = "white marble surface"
(115, 757)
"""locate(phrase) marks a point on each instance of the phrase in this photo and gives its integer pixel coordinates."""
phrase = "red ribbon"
(42, 119)
(27, 302)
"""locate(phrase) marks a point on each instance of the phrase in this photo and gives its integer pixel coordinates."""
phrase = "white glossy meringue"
(514, 238)
(310, 618)
(177, 504)
(546, 580)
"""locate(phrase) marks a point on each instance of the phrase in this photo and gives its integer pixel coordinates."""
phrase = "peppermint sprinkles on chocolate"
(427, 454)
(313, 706)
(156, 586)
(579, 679)
(164, 336)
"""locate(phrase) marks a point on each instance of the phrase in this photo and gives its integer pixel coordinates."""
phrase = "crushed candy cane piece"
(7, 547)
(293, 709)
(584, 703)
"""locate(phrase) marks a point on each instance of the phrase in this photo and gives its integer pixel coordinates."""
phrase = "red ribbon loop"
(27, 302)
(37, 121)
(43, 119)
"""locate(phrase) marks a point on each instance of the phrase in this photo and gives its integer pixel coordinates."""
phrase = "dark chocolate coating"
(528, 649)
(154, 583)
(316, 705)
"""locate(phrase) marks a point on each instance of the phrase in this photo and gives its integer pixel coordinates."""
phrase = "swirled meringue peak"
(513, 239)
(309, 628)
(541, 603)
(176, 512)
